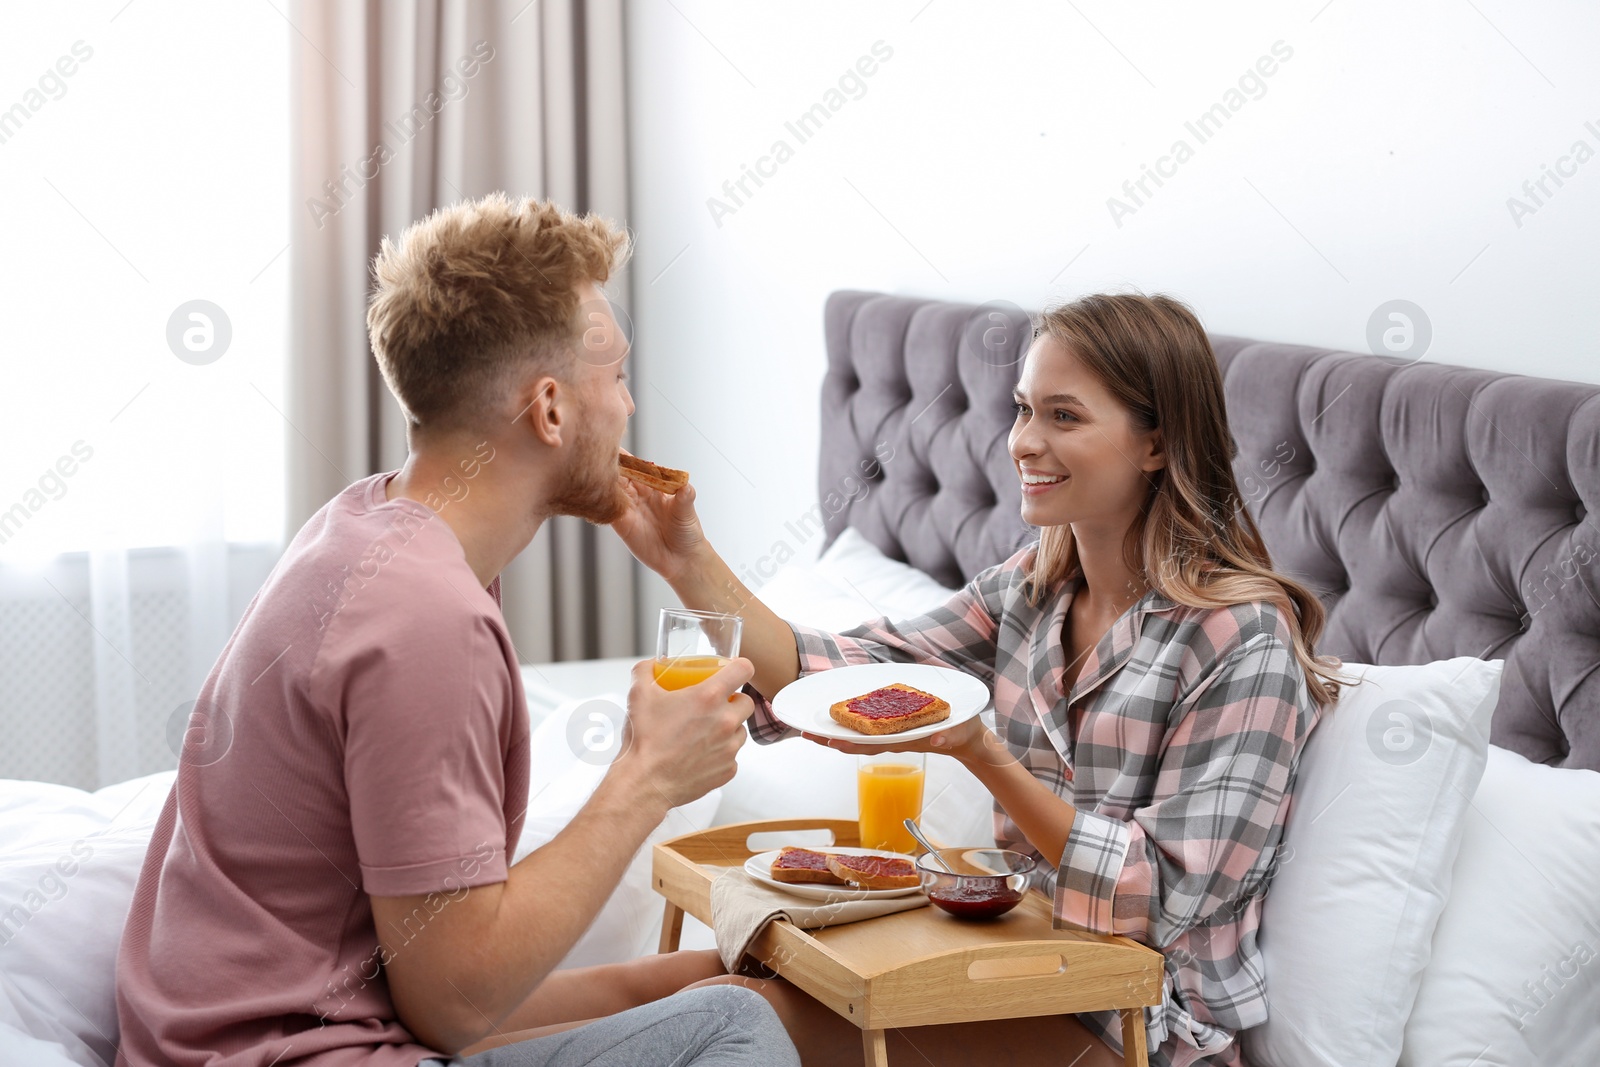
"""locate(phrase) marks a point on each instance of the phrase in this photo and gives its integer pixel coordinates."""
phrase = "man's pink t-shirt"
(363, 732)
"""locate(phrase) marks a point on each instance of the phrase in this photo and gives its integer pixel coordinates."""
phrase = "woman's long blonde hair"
(1194, 542)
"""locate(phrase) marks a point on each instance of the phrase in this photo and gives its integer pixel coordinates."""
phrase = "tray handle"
(1131, 970)
(729, 845)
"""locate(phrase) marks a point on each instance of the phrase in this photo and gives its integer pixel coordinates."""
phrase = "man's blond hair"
(477, 295)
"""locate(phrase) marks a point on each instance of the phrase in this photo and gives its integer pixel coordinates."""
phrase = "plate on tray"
(759, 869)
(804, 704)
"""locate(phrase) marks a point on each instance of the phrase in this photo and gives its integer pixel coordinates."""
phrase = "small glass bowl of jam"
(987, 883)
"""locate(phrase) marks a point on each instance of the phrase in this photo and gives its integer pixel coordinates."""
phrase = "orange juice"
(680, 672)
(889, 793)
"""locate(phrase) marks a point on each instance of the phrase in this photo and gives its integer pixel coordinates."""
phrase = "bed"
(1436, 902)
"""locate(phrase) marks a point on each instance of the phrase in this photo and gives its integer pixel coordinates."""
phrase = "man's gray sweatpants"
(717, 1026)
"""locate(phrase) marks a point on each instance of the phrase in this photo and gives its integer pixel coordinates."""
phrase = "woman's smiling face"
(1080, 455)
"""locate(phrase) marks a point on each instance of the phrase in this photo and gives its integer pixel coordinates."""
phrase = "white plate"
(759, 868)
(804, 704)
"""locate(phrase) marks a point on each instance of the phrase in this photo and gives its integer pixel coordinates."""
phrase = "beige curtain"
(402, 106)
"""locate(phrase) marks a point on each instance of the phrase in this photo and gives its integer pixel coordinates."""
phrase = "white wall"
(978, 163)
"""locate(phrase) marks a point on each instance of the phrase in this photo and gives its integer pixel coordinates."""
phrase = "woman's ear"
(1155, 457)
(541, 406)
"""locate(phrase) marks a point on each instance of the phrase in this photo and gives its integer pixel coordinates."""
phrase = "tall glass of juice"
(691, 646)
(889, 788)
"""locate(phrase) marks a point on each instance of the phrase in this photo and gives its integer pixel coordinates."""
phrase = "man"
(333, 887)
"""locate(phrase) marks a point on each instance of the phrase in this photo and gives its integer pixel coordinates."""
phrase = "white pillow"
(1365, 871)
(801, 595)
(548, 686)
(69, 861)
(572, 749)
(17, 1046)
(893, 589)
(1515, 973)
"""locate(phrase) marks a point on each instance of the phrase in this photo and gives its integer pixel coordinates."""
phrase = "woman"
(1153, 678)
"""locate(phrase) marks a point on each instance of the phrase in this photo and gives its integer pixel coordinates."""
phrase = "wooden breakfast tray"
(921, 966)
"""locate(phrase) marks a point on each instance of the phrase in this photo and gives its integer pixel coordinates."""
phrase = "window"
(144, 164)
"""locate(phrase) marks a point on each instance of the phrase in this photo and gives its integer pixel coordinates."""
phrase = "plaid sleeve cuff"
(764, 726)
(1091, 865)
(819, 651)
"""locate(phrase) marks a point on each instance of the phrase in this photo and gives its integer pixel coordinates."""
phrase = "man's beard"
(591, 487)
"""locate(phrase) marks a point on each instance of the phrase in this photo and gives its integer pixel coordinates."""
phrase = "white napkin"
(741, 909)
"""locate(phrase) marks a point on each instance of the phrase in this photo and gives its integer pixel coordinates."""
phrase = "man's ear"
(542, 404)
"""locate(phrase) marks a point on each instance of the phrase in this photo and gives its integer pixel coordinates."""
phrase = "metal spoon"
(916, 832)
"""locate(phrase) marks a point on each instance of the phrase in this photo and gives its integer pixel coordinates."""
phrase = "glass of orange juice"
(691, 646)
(889, 789)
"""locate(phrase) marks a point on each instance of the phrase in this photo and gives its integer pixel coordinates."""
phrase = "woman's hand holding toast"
(965, 741)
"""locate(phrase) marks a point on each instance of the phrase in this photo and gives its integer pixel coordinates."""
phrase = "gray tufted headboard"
(1440, 511)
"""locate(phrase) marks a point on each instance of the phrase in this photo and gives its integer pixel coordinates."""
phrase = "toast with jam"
(801, 865)
(875, 872)
(892, 709)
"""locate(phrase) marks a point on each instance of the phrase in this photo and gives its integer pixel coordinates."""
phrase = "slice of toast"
(803, 865)
(876, 872)
(663, 479)
(892, 709)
